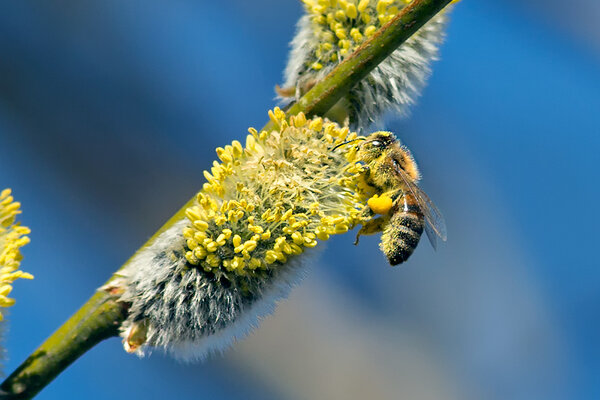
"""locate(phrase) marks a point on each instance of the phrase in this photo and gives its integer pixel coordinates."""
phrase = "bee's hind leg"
(371, 227)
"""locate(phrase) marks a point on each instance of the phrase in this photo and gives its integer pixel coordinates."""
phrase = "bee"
(405, 209)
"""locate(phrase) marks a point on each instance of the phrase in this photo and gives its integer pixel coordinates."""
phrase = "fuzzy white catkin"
(204, 318)
(393, 85)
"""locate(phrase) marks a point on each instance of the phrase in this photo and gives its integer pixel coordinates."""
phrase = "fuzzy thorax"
(331, 30)
(209, 277)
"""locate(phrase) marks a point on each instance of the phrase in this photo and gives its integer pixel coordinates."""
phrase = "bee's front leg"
(366, 173)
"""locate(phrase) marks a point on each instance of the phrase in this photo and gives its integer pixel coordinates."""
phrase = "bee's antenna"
(349, 141)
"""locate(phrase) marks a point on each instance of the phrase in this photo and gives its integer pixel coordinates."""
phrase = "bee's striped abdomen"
(402, 234)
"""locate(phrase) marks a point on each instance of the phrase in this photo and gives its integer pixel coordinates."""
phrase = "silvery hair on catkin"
(187, 313)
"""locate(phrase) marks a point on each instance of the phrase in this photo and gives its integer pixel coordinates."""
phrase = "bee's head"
(375, 145)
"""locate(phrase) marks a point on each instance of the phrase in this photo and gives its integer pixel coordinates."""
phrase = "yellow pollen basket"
(380, 205)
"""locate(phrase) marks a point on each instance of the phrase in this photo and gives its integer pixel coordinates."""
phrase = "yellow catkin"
(273, 198)
(12, 238)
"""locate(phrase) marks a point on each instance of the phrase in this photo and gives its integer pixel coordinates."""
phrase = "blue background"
(110, 110)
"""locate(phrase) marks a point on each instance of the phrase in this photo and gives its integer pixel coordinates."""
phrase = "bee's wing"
(434, 220)
(435, 225)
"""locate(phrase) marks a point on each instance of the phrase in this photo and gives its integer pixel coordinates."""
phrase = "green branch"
(100, 317)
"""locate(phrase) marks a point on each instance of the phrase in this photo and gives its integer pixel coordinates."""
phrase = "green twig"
(101, 316)
(98, 319)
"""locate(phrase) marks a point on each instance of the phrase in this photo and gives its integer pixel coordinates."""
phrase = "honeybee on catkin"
(213, 272)
(404, 209)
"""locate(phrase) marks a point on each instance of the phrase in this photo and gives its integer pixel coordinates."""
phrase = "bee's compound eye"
(376, 143)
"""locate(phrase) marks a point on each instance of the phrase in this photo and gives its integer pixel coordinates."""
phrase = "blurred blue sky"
(109, 112)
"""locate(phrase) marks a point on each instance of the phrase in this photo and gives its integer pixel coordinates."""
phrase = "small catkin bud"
(332, 30)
